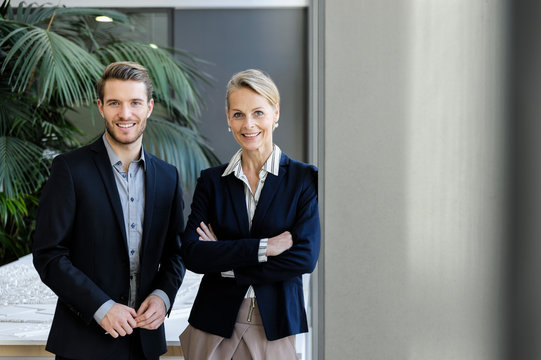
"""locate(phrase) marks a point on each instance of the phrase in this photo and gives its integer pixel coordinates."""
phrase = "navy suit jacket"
(287, 202)
(80, 249)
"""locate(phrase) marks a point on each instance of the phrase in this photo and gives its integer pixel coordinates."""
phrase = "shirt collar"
(115, 159)
(272, 165)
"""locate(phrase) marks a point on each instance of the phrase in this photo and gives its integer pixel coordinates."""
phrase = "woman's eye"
(259, 113)
(237, 115)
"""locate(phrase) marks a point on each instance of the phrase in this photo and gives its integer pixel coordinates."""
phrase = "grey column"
(415, 179)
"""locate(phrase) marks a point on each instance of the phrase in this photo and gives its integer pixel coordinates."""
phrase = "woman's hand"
(278, 244)
(275, 245)
(206, 233)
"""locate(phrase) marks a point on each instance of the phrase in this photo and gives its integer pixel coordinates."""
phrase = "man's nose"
(124, 111)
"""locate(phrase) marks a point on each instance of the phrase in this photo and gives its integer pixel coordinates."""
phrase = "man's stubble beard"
(112, 136)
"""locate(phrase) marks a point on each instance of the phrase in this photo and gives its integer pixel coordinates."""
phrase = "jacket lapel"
(103, 164)
(270, 189)
(150, 196)
(237, 198)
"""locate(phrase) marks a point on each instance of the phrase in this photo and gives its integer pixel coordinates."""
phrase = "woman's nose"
(249, 122)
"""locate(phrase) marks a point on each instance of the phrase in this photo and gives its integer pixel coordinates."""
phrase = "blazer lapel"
(150, 196)
(236, 192)
(104, 167)
(270, 189)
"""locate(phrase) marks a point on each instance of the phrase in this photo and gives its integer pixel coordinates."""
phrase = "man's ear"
(150, 107)
(100, 107)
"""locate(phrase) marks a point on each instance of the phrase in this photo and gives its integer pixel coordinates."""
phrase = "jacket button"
(123, 298)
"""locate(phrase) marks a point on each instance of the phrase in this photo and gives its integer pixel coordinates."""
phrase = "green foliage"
(50, 60)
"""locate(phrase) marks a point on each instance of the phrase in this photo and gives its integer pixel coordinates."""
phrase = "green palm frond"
(16, 226)
(50, 60)
(175, 113)
(180, 146)
(169, 75)
(84, 32)
(62, 68)
(28, 14)
(14, 208)
(4, 8)
(17, 123)
(33, 13)
(14, 111)
(15, 246)
(22, 169)
(79, 11)
(81, 27)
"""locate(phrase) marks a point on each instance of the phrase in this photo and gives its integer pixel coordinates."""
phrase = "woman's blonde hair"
(255, 80)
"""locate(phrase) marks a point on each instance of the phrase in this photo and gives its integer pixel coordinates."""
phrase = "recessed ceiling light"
(103, 19)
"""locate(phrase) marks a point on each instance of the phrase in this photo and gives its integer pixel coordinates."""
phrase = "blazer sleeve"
(172, 269)
(302, 257)
(54, 224)
(212, 256)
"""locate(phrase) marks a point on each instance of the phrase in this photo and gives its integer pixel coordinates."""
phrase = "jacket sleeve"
(172, 269)
(302, 257)
(212, 256)
(51, 240)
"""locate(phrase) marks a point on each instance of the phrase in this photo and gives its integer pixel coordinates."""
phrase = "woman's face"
(251, 118)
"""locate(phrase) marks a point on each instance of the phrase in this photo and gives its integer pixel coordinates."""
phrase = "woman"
(253, 231)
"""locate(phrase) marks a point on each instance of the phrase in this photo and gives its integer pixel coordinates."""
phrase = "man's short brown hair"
(125, 70)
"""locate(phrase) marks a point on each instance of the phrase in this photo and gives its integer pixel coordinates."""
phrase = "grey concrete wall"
(415, 180)
(273, 40)
(365, 190)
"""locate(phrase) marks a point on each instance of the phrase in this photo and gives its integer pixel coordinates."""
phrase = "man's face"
(125, 108)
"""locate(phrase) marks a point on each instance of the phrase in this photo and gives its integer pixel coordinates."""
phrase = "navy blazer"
(287, 202)
(80, 249)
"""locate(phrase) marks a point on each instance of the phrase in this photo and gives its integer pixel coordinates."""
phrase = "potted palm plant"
(50, 59)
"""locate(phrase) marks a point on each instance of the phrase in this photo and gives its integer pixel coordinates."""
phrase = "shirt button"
(132, 252)
(132, 225)
(132, 199)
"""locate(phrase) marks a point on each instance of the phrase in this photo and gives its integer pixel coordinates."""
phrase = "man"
(107, 233)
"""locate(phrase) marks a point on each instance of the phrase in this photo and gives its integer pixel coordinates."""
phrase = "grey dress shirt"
(131, 191)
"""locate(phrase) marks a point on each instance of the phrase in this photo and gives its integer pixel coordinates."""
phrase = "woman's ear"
(227, 116)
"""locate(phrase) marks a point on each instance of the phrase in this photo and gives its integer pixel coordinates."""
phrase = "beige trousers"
(248, 341)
